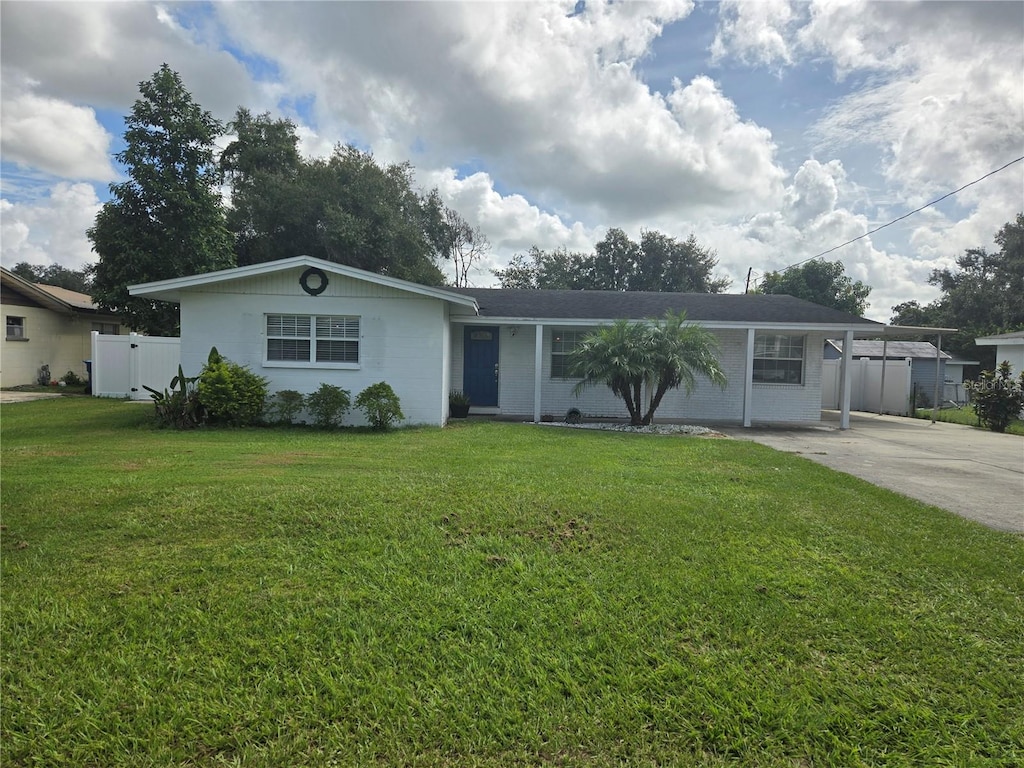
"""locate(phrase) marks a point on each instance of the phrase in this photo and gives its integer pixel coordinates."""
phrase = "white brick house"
(303, 321)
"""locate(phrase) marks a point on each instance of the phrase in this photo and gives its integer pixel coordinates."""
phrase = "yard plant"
(635, 359)
(997, 397)
(485, 595)
(381, 405)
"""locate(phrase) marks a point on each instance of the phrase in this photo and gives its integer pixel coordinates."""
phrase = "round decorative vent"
(313, 281)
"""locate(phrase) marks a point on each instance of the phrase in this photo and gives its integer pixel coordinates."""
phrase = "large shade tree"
(638, 359)
(166, 220)
(347, 208)
(823, 282)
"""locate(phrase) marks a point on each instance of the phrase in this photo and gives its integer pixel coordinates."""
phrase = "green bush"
(286, 406)
(380, 404)
(997, 398)
(230, 393)
(178, 406)
(328, 405)
(72, 379)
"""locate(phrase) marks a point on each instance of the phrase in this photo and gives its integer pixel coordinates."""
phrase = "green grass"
(966, 416)
(485, 595)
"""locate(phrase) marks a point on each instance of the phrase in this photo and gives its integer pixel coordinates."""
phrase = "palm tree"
(630, 357)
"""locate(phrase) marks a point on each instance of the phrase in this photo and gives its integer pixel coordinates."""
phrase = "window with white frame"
(313, 339)
(563, 342)
(16, 328)
(108, 329)
(778, 359)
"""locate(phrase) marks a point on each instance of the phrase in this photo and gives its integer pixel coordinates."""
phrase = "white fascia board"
(171, 289)
(990, 342)
(860, 328)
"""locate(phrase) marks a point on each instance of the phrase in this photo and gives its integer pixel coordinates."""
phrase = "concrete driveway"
(975, 473)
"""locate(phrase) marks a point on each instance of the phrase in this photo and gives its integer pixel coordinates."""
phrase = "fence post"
(133, 365)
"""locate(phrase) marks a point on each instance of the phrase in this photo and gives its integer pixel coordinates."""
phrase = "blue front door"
(480, 365)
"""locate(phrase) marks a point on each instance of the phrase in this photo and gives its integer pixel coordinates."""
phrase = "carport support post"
(845, 370)
(881, 392)
(938, 355)
(748, 381)
(538, 363)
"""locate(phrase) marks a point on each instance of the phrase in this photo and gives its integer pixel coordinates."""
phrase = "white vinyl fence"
(866, 386)
(123, 365)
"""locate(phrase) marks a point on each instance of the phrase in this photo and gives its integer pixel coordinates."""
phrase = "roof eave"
(868, 327)
(914, 330)
(38, 294)
(171, 290)
(983, 342)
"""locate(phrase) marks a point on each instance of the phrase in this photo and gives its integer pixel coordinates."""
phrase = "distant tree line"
(657, 263)
(982, 296)
(54, 274)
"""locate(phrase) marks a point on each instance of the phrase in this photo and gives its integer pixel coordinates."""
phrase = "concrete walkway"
(24, 397)
(975, 473)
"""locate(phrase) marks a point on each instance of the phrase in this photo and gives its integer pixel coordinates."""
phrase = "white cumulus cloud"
(50, 230)
(53, 136)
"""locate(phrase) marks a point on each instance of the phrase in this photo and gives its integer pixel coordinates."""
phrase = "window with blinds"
(313, 338)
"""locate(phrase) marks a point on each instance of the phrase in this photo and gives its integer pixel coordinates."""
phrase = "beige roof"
(74, 298)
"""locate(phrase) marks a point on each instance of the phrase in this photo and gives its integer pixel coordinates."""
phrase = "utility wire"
(901, 218)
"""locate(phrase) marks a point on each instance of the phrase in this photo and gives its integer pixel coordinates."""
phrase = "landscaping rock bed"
(653, 429)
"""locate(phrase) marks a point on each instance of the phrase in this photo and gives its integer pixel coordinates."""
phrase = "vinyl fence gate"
(866, 386)
(123, 365)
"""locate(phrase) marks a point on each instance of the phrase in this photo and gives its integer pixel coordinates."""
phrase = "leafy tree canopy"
(54, 274)
(657, 263)
(166, 220)
(348, 208)
(823, 282)
(982, 296)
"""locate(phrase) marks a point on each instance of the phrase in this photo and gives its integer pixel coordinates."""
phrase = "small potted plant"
(458, 404)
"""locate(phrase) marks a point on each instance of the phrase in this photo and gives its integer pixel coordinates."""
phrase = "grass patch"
(966, 416)
(486, 595)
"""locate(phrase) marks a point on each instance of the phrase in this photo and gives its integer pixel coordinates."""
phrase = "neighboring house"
(46, 325)
(302, 321)
(1009, 346)
(922, 361)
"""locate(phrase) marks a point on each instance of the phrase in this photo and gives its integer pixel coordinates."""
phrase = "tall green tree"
(633, 359)
(268, 208)
(347, 208)
(54, 274)
(657, 263)
(981, 296)
(166, 220)
(823, 282)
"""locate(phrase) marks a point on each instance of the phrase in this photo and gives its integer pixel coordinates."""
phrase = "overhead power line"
(901, 218)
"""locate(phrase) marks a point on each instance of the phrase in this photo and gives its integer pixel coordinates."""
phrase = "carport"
(888, 332)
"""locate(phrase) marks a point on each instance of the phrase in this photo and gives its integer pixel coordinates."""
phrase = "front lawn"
(485, 595)
(965, 415)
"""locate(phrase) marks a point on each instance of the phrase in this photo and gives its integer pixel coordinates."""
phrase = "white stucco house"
(1009, 346)
(302, 321)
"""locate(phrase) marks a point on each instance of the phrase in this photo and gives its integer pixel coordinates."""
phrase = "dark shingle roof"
(637, 305)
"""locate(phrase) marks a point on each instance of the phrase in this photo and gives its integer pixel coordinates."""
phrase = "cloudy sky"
(771, 130)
